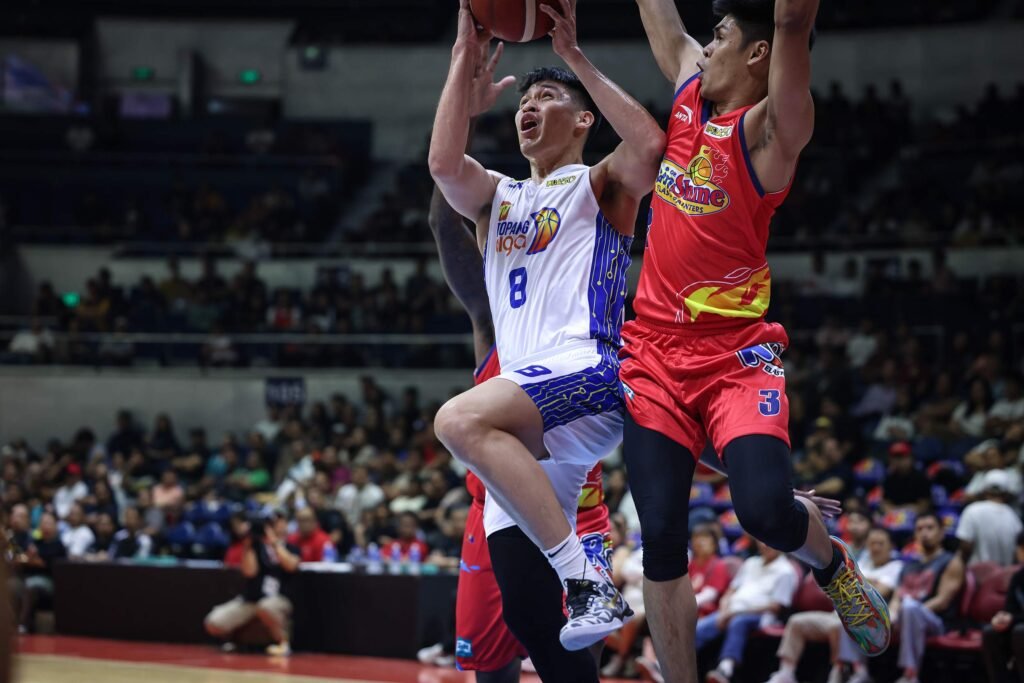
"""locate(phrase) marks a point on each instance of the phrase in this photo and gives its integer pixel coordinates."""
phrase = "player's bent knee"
(664, 560)
(762, 493)
(778, 521)
(457, 427)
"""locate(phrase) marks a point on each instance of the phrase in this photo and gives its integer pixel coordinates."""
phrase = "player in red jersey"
(699, 362)
(531, 590)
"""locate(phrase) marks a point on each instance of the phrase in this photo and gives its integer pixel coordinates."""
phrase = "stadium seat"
(701, 494)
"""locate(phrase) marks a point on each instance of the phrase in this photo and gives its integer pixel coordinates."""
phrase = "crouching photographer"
(266, 563)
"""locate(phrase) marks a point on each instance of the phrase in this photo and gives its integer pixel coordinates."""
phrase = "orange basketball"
(517, 21)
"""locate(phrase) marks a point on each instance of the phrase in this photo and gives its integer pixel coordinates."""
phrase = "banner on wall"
(285, 391)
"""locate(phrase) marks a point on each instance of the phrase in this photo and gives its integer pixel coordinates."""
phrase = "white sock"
(726, 666)
(787, 668)
(570, 561)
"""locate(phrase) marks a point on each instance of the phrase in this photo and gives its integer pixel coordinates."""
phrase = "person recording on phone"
(266, 564)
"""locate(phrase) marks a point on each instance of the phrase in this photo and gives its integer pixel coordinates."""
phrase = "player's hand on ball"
(563, 35)
(485, 91)
(470, 35)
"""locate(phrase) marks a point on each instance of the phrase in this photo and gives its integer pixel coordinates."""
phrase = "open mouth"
(528, 125)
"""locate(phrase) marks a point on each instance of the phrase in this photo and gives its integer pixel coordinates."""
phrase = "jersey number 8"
(517, 287)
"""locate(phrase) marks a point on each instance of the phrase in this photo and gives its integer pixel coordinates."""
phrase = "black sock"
(824, 576)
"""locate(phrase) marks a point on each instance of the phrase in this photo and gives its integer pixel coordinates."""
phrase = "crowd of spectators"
(876, 424)
(858, 184)
(342, 302)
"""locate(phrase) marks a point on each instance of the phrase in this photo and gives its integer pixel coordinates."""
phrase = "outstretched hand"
(563, 35)
(485, 91)
(829, 507)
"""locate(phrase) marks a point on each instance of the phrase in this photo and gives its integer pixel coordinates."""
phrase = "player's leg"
(497, 431)
(660, 475)
(746, 412)
(532, 605)
(760, 479)
(483, 642)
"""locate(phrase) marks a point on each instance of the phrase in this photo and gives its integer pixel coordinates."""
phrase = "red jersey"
(708, 226)
(311, 548)
(712, 573)
(592, 495)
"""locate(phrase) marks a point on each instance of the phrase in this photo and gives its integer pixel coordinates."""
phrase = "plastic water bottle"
(415, 559)
(396, 559)
(373, 560)
(355, 557)
(330, 553)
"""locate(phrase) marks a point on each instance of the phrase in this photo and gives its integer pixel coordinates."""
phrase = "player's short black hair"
(570, 81)
(756, 18)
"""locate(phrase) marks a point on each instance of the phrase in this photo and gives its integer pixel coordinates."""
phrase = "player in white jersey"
(556, 249)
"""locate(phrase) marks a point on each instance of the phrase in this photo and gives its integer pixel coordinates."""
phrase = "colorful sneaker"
(595, 610)
(862, 611)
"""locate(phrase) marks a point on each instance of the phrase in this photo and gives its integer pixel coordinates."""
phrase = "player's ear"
(759, 51)
(585, 119)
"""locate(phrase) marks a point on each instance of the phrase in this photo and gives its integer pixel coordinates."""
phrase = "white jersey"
(555, 269)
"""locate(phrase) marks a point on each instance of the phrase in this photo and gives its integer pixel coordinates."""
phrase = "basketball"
(517, 21)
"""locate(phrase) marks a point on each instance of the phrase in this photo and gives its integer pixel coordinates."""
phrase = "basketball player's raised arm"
(465, 183)
(634, 163)
(675, 50)
(784, 121)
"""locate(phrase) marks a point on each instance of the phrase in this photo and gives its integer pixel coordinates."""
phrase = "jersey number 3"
(771, 405)
(517, 287)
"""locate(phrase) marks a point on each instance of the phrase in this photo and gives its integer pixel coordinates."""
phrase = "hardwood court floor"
(55, 659)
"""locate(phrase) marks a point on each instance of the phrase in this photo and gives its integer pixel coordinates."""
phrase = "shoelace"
(851, 601)
(578, 601)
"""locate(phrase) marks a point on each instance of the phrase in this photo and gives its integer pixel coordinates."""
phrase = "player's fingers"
(566, 8)
(550, 11)
(505, 83)
(496, 57)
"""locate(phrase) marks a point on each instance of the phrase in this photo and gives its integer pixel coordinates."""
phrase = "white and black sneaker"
(596, 609)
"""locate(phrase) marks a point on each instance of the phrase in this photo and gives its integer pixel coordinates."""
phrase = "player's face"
(724, 59)
(547, 118)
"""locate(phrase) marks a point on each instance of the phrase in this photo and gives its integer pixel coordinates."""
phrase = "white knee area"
(458, 427)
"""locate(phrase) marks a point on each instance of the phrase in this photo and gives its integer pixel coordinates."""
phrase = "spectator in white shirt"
(73, 490)
(988, 528)
(358, 495)
(77, 537)
(883, 572)
(32, 345)
(762, 588)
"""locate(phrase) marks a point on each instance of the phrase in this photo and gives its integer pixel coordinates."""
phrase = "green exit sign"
(250, 76)
(143, 73)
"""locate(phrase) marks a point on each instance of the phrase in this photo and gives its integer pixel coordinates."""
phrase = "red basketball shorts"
(691, 387)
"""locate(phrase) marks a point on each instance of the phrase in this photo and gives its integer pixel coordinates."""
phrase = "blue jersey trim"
(746, 157)
(606, 283)
(687, 82)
